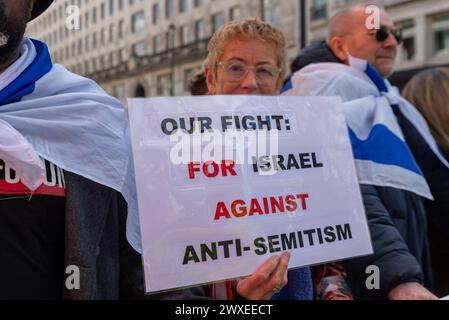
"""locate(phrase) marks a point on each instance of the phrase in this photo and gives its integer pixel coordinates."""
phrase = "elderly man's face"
(362, 43)
(14, 15)
(246, 67)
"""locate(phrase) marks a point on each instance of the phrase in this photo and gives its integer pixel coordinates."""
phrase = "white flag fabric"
(68, 120)
(381, 154)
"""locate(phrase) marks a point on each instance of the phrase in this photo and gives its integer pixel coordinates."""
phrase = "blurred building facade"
(137, 48)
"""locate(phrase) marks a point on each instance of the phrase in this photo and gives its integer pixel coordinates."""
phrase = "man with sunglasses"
(354, 64)
(350, 38)
(348, 35)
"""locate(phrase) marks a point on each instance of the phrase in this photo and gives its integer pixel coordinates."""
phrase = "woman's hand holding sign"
(268, 279)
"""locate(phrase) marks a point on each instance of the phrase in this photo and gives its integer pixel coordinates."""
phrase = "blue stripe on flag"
(25, 83)
(376, 78)
(384, 147)
(288, 85)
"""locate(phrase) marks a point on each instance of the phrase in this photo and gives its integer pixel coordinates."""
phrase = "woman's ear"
(210, 80)
(338, 47)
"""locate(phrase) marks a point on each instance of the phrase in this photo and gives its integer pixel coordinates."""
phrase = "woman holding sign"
(248, 57)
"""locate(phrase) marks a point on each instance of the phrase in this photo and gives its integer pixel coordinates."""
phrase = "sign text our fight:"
(247, 122)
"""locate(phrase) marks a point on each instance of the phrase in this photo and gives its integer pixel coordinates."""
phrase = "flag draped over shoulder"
(68, 120)
(381, 154)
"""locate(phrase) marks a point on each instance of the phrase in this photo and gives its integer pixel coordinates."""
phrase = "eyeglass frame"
(221, 64)
(395, 32)
(382, 28)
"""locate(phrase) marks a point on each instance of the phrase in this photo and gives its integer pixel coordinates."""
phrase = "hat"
(39, 7)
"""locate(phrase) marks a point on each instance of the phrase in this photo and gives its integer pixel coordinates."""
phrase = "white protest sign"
(243, 178)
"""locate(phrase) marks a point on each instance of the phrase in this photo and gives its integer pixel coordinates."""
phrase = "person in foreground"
(356, 64)
(67, 180)
(248, 57)
(69, 227)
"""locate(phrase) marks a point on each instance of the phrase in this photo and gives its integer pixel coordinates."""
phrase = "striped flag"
(382, 156)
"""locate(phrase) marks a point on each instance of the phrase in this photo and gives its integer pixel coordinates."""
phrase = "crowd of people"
(58, 126)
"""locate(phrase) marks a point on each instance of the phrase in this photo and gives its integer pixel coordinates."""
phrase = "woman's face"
(246, 67)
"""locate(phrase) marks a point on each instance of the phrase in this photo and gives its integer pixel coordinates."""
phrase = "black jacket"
(95, 242)
(437, 175)
(397, 223)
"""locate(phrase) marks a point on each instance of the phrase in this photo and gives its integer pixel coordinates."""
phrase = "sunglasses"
(384, 32)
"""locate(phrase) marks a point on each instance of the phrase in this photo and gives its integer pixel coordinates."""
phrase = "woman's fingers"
(278, 278)
(269, 278)
(249, 288)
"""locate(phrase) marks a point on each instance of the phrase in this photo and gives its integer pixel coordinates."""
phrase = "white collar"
(27, 55)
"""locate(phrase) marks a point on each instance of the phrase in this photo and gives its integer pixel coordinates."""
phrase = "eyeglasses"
(384, 32)
(236, 71)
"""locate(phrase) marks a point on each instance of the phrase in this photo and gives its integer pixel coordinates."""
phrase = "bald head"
(351, 33)
(349, 19)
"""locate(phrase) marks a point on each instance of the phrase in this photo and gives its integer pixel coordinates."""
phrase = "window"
(440, 31)
(199, 29)
(111, 32)
(156, 13)
(182, 6)
(168, 40)
(103, 36)
(138, 21)
(156, 43)
(407, 50)
(121, 26)
(121, 4)
(183, 35)
(318, 9)
(271, 13)
(217, 21)
(168, 8)
(113, 57)
(234, 13)
(123, 55)
(102, 11)
(94, 40)
(164, 84)
(111, 7)
(86, 19)
(198, 3)
(188, 74)
(139, 49)
(119, 92)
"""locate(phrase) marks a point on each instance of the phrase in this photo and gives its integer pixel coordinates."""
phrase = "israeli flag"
(48, 112)
(382, 156)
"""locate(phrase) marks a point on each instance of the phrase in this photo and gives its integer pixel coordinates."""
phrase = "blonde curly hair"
(246, 29)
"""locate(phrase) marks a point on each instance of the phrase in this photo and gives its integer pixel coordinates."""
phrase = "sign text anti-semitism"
(226, 181)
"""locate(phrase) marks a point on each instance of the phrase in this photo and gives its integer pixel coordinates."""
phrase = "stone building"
(136, 48)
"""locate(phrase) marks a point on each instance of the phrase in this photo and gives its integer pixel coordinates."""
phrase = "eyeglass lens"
(383, 33)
